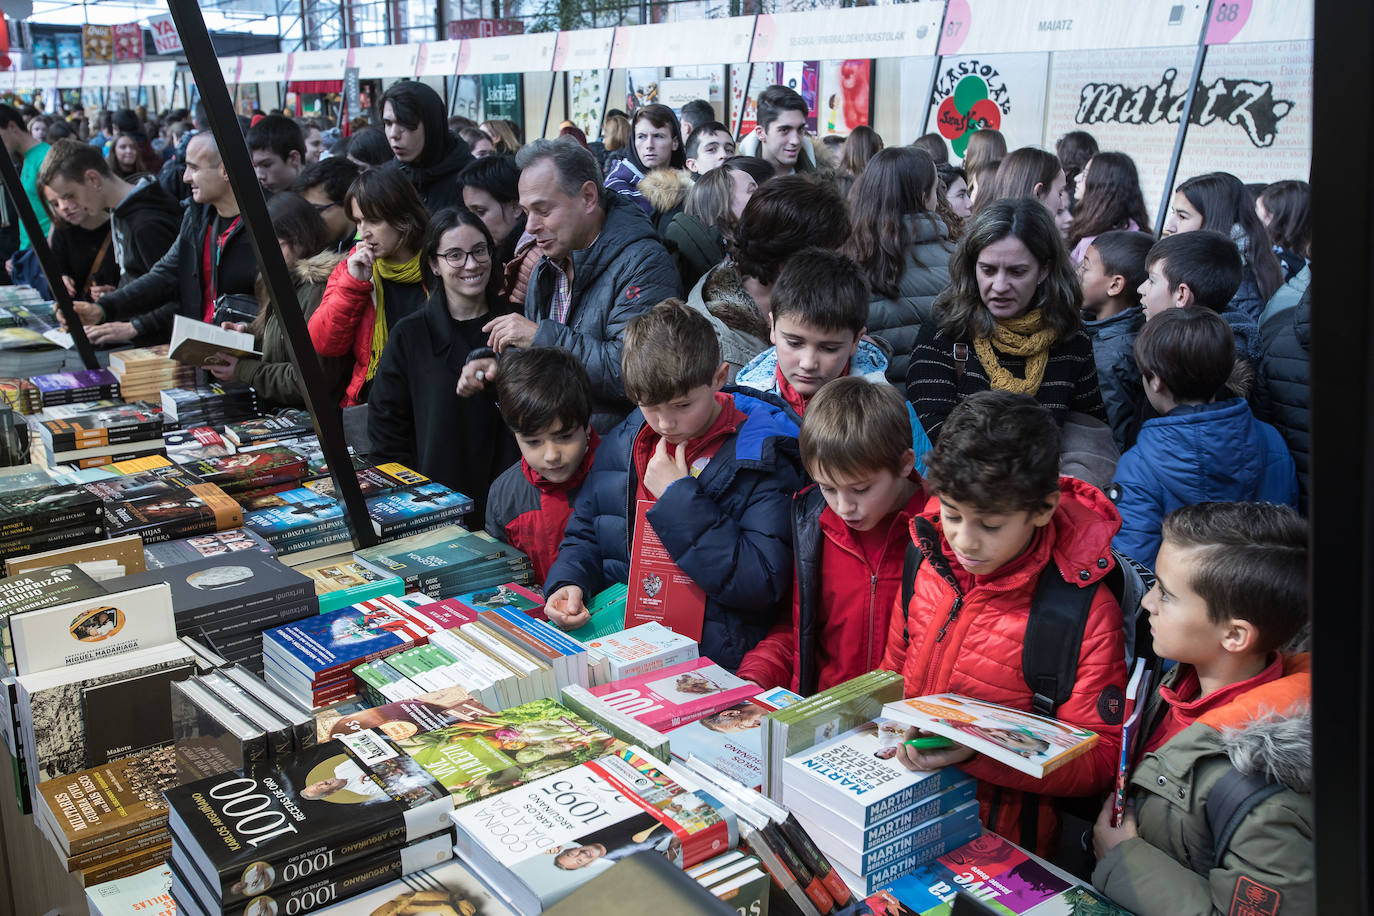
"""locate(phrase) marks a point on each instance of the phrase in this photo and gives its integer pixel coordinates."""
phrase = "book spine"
(134, 843)
(10, 547)
(154, 823)
(46, 519)
(815, 860)
(784, 877)
(126, 865)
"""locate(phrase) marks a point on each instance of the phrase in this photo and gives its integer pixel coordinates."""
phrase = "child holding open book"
(1231, 591)
(1000, 518)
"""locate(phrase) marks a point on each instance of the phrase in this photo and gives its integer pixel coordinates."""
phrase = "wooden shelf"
(33, 881)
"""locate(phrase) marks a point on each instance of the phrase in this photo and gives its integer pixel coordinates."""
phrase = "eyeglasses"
(324, 208)
(457, 257)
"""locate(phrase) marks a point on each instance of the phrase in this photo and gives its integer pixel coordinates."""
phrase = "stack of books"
(637, 806)
(289, 425)
(340, 582)
(227, 719)
(737, 880)
(165, 504)
(262, 472)
(97, 433)
(215, 405)
(414, 509)
(666, 698)
(21, 394)
(202, 546)
(872, 817)
(143, 372)
(638, 650)
(448, 561)
(1003, 877)
(50, 516)
(297, 521)
(109, 821)
(372, 480)
(227, 601)
(197, 442)
(320, 826)
(74, 387)
(732, 739)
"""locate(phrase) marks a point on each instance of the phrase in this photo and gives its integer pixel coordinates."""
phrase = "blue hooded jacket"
(730, 529)
(1197, 453)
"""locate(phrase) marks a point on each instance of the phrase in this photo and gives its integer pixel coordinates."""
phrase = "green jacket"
(1267, 869)
(277, 382)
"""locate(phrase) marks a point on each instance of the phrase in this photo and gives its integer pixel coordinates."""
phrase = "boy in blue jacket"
(1198, 449)
(718, 470)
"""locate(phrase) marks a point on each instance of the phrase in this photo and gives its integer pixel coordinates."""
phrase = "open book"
(198, 343)
(1033, 744)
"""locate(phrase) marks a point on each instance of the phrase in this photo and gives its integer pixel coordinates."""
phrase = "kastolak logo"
(971, 96)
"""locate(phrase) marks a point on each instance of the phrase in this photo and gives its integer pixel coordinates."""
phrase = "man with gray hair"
(602, 265)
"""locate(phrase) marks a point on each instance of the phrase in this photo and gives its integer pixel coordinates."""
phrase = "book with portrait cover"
(677, 694)
(338, 801)
(1033, 744)
(731, 740)
(40, 588)
(450, 889)
(403, 719)
(204, 546)
(90, 628)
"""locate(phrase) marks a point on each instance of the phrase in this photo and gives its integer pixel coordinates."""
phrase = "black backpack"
(1058, 617)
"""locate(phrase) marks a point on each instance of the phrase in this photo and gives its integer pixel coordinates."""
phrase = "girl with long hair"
(862, 144)
(1285, 208)
(1008, 321)
(1031, 172)
(987, 145)
(902, 246)
(1218, 201)
(1109, 198)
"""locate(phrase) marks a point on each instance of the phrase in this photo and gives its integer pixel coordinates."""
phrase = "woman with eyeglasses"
(414, 413)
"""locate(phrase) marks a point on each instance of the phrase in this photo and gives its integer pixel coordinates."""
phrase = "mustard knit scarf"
(1024, 336)
(396, 272)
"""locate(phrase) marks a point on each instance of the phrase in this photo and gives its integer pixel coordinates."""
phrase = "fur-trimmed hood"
(1277, 747)
(318, 268)
(666, 189)
(868, 362)
(724, 296)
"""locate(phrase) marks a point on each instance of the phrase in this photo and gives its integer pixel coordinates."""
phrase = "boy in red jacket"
(1000, 518)
(849, 528)
(545, 397)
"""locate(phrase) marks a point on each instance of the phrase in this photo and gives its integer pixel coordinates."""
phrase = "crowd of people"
(868, 399)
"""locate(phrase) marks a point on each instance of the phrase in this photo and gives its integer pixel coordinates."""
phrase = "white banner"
(508, 54)
(165, 37)
(229, 69)
(159, 73)
(322, 65)
(438, 58)
(907, 30)
(672, 44)
(127, 74)
(69, 77)
(45, 79)
(376, 62)
(584, 49)
(988, 26)
(95, 77)
(263, 68)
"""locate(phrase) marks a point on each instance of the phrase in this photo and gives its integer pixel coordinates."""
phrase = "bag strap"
(1054, 638)
(95, 267)
(1231, 800)
(914, 558)
(960, 362)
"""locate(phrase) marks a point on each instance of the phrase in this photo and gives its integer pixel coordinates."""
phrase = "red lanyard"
(219, 249)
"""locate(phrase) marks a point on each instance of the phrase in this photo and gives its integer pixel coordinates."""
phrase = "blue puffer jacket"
(1202, 453)
(730, 529)
(1117, 374)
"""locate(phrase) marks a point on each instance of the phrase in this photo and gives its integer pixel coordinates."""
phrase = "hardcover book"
(90, 628)
(1033, 744)
(407, 508)
(105, 805)
(25, 512)
(183, 445)
(731, 740)
(289, 424)
(204, 546)
(39, 589)
(450, 889)
(497, 752)
(246, 470)
(677, 694)
(337, 802)
(328, 645)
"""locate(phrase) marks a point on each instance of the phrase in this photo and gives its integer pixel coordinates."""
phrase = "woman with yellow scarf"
(1008, 321)
(379, 283)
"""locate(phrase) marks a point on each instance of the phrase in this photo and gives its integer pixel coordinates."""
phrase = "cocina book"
(1033, 744)
(333, 803)
(539, 842)
(675, 695)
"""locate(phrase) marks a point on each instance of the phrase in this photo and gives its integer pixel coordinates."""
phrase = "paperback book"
(341, 582)
(247, 470)
(373, 480)
(450, 889)
(677, 694)
(731, 740)
(289, 424)
(81, 385)
(194, 444)
(204, 546)
(106, 805)
(199, 343)
(287, 518)
(1001, 875)
(403, 719)
(411, 508)
(165, 504)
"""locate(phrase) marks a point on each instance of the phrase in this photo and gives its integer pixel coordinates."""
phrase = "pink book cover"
(676, 695)
(447, 614)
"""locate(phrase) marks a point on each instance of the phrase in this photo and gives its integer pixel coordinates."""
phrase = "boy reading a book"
(850, 527)
(1231, 591)
(818, 320)
(717, 471)
(1000, 517)
(545, 397)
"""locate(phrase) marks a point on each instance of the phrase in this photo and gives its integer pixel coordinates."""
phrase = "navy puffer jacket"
(729, 529)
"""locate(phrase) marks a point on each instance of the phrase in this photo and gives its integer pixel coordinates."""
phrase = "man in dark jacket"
(602, 265)
(144, 218)
(211, 258)
(1286, 340)
(416, 125)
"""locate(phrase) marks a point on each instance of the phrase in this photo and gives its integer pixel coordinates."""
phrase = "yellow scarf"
(1024, 336)
(396, 272)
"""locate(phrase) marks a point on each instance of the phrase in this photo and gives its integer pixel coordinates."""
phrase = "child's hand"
(663, 469)
(1105, 836)
(925, 760)
(565, 608)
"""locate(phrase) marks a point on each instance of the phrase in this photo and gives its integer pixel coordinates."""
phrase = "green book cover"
(607, 612)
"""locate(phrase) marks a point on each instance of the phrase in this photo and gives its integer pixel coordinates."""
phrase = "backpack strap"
(1054, 638)
(1231, 800)
(960, 361)
(914, 558)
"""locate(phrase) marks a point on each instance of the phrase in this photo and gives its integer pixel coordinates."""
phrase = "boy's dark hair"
(786, 214)
(71, 159)
(1249, 563)
(934, 146)
(824, 289)
(277, 134)
(698, 112)
(669, 350)
(853, 427)
(1122, 254)
(1207, 261)
(370, 145)
(774, 100)
(333, 175)
(1192, 351)
(10, 115)
(998, 451)
(542, 388)
(701, 131)
(497, 175)
(386, 195)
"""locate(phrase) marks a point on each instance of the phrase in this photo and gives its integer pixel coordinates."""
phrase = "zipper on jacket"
(872, 603)
(953, 613)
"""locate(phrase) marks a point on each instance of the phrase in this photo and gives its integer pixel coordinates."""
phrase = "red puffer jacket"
(343, 325)
(965, 636)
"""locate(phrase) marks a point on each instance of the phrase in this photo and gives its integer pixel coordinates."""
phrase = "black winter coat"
(437, 183)
(1117, 374)
(415, 416)
(173, 285)
(899, 321)
(145, 228)
(1283, 384)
